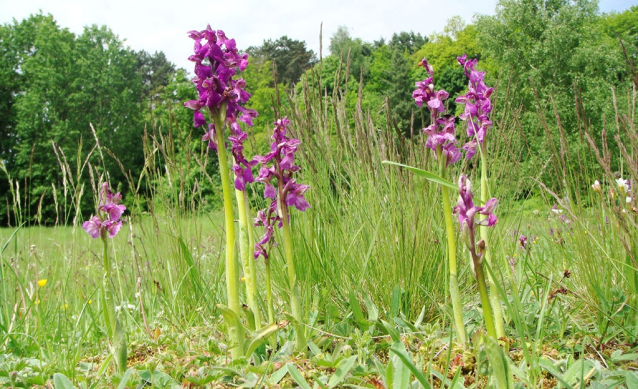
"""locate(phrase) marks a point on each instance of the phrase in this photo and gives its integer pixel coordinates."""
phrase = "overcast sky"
(162, 25)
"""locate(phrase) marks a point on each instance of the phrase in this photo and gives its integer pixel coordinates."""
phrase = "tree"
(156, 72)
(62, 84)
(555, 51)
(291, 57)
(407, 42)
(342, 45)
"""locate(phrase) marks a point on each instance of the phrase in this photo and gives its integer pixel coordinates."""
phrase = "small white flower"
(623, 185)
(137, 295)
(597, 188)
(628, 200)
(536, 211)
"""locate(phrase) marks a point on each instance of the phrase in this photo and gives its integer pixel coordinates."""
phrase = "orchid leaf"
(425, 174)
(60, 381)
(260, 337)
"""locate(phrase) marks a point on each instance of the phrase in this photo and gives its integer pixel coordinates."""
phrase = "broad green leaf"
(389, 328)
(125, 378)
(356, 310)
(157, 379)
(624, 357)
(631, 380)
(426, 174)
(419, 320)
(296, 375)
(259, 338)
(119, 347)
(61, 382)
(232, 320)
(105, 364)
(314, 348)
(499, 363)
(550, 368)
(399, 350)
(373, 312)
(278, 375)
(343, 370)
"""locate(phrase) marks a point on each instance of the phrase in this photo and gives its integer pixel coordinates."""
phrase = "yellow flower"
(36, 302)
(65, 306)
(90, 301)
(42, 282)
(243, 279)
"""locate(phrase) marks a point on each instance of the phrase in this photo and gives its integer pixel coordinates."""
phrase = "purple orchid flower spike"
(107, 222)
(477, 106)
(440, 132)
(466, 211)
(216, 62)
(278, 167)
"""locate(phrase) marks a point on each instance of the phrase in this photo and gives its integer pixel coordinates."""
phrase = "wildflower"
(466, 211)
(109, 213)
(623, 185)
(90, 302)
(440, 132)
(288, 193)
(42, 283)
(556, 210)
(628, 200)
(596, 187)
(522, 241)
(477, 106)
(216, 61)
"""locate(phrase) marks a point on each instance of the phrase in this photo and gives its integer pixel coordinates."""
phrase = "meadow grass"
(371, 264)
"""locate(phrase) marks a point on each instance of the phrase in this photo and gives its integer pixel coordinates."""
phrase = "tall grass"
(374, 234)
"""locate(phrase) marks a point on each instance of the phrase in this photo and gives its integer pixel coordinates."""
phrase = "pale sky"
(162, 25)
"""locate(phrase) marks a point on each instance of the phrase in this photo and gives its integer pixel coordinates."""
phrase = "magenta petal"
(270, 192)
(299, 202)
(198, 119)
(115, 211)
(92, 226)
(112, 227)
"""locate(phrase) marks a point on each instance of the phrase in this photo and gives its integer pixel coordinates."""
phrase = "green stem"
(246, 253)
(455, 295)
(485, 299)
(484, 233)
(114, 331)
(295, 303)
(232, 277)
(107, 263)
(271, 311)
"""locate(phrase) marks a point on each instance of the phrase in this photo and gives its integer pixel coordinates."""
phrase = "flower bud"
(597, 188)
